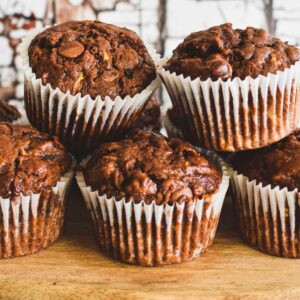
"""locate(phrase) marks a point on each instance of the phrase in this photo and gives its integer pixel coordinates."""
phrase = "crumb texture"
(224, 52)
(147, 166)
(30, 161)
(278, 164)
(91, 57)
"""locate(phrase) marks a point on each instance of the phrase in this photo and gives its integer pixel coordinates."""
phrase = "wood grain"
(73, 268)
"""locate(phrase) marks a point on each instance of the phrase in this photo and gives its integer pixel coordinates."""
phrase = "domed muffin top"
(147, 166)
(278, 164)
(224, 52)
(91, 57)
(8, 113)
(30, 161)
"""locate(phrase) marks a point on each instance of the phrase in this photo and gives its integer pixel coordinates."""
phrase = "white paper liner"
(237, 114)
(175, 132)
(268, 218)
(150, 234)
(21, 108)
(80, 121)
(30, 223)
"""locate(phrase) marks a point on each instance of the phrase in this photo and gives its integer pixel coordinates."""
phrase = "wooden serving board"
(73, 268)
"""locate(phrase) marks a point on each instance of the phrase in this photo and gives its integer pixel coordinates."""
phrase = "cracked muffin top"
(8, 113)
(277, 164)
(91, 57)
(224, 52)
(147, 166)
(30, 161)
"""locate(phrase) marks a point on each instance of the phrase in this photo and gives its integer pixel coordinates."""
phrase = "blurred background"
(162, 23)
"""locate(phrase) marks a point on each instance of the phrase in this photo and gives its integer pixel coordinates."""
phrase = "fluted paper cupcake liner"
(30, 223)
(236, 114)
(174, 131)
(80, 122)
(151, 234)
(268, 217)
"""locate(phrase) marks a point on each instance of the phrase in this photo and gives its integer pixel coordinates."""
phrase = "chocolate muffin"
(224, 52)
(8, 113)
(276, 165)
(212, 80)
(150, 116)
(266, 197)
(31, 161)
(147, 166)
(96, 79)
(92, 57)
(31, 165)
(147, 185)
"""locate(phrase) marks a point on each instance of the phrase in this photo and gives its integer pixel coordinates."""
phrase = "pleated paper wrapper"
(174, 131)
(236, 114)
(80, 122)
(268, 217)
(30, 223)
(150, 234)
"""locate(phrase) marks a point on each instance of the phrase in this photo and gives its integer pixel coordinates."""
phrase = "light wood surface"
(73, 268)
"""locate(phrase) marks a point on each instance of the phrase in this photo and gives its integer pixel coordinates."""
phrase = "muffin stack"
(84, 83)
(153, 200)
(235, 90)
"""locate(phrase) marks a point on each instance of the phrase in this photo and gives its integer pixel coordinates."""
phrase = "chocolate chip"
(71, 49)
(129, 74)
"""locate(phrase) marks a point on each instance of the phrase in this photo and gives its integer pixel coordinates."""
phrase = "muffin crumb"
(92, 57)
(224, 52)
(30, 161)
(277, 164)
(146, 166)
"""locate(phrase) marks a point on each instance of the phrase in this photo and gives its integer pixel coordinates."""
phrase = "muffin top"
(278, 164)
(147, 166)
(8, 113)
(30, 161)
(224, 52)
(150, 116)
(91, 57)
